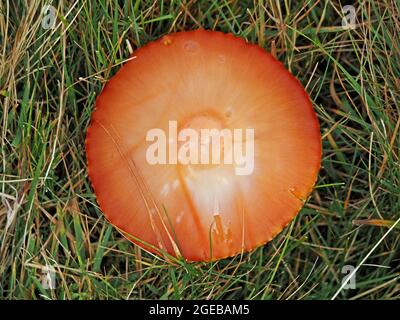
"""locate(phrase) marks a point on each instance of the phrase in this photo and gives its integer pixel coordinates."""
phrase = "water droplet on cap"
(191, 46)
(167, 41)
(228, 112)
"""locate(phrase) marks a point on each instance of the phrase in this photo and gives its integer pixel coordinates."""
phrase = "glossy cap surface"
(203, 79)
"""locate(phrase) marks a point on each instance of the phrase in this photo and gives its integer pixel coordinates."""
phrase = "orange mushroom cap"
(202, 79)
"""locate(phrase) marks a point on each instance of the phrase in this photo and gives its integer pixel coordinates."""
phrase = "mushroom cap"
(202, 79)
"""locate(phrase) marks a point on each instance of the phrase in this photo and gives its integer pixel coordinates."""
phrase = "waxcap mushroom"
(187, 82)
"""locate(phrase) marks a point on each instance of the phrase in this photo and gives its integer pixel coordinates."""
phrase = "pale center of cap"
(206, 148)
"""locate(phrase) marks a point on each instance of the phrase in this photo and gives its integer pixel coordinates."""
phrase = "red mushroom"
(202, 211)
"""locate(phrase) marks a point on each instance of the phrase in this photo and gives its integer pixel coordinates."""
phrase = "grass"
(49, 79)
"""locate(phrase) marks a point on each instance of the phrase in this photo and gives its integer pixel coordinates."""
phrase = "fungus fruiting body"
(170, 189)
